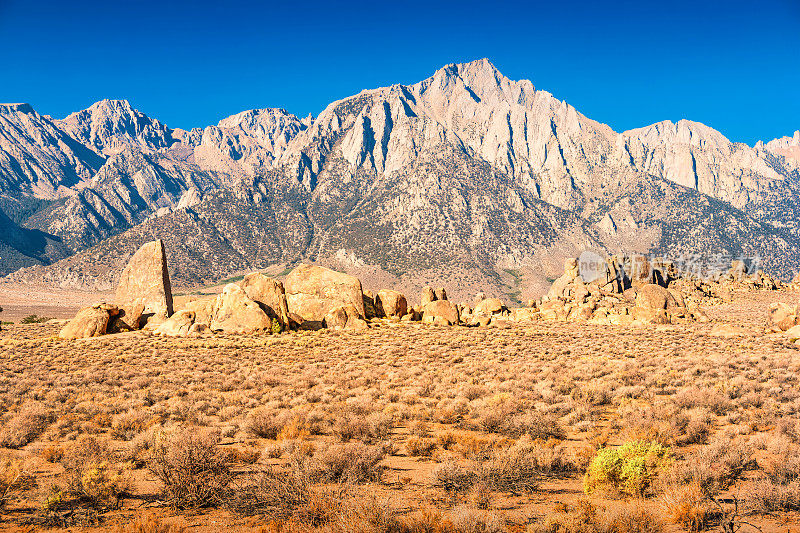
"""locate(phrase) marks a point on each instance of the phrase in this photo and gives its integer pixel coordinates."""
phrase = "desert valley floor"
(403, 427)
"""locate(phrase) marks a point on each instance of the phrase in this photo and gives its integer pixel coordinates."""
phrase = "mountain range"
(466, 178)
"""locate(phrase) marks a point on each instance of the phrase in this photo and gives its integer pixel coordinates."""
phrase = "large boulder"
(391, 303)
(234, 312)
(312, 291)
(90, 322)
(658, 305)
(345, 317)
(178, 325)
(269, 294)
(442, 312)
(144, 289)
(203, 309)
(652, 296)
(428, 295)
(782, 316)
(793, 333)
(489, 306)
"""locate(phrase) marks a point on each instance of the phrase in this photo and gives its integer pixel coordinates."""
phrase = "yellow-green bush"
(629, 469)
(102, 484)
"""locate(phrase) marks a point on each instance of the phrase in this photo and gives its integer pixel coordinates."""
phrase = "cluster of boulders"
(317, 297)
(622, 291)
(739, 277)
(310, 298)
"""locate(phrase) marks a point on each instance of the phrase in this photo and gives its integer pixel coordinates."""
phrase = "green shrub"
(34, 319)
(629, 469)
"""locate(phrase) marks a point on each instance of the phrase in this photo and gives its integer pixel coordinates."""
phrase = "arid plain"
(407, 427)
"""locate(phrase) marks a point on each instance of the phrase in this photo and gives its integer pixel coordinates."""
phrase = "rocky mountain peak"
(466, 167)
(481, 80)
(247, 142)
(684, 131)
(789, 147)
(6, 109)
(109, 125)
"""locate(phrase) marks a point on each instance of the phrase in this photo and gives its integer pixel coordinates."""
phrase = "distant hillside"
(465, 176)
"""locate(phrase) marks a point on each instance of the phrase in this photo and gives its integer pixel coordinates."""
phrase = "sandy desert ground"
(536, 427)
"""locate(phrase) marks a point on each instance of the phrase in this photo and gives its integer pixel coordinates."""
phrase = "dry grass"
(486, 428)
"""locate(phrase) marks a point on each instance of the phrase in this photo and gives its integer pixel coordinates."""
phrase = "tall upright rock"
(144, 289)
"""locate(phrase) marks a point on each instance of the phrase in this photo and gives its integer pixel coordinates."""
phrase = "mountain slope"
(465, 174)
(37, 158)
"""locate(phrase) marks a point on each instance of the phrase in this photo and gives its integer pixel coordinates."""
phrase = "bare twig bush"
(191, 468)
(352, 462)
(147, 522)
(511, 469)
(32, 419)
(275, 493)
(586, 517)
(93, 474)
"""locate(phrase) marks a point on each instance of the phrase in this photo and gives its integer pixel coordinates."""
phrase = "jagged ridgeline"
(466, 173)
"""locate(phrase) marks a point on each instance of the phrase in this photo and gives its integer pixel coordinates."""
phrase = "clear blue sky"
(733, 65)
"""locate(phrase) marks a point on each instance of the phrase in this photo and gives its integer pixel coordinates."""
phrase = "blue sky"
(733, 65)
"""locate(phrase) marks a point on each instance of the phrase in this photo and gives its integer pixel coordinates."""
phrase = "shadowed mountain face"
(467, 175)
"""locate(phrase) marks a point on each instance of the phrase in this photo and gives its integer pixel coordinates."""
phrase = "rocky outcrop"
(90, 322)
(312, 291)
(269, 294)
(235, 313)
(144, 288)
(617, 293)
